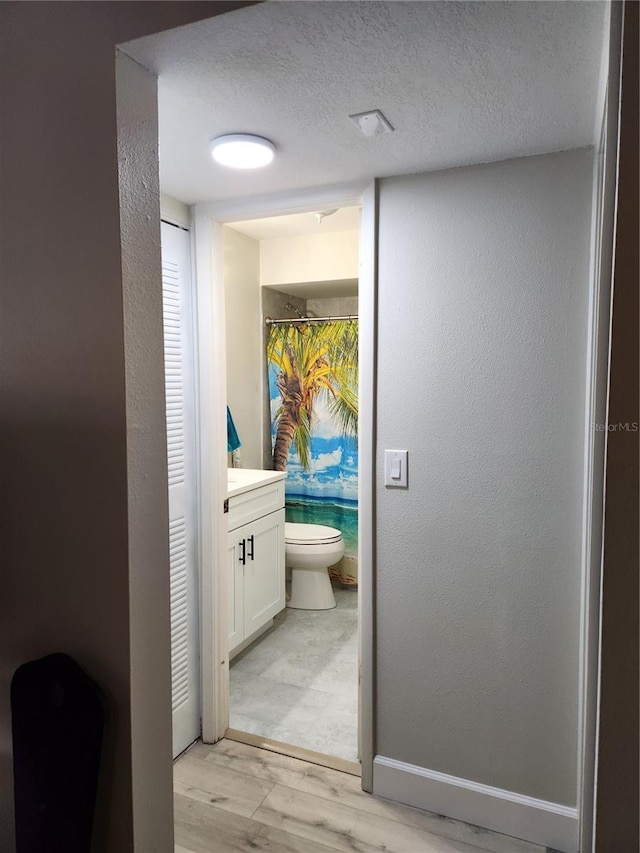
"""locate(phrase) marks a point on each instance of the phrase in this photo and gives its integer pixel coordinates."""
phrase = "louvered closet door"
(180, 387)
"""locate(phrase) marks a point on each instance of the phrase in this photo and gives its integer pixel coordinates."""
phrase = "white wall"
(245, 357)
(313, 257)
(174, 211)
(483, 293)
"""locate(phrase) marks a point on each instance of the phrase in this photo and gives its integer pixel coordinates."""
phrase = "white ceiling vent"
(372, 123)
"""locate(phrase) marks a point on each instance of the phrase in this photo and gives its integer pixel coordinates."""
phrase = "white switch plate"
(395, 469)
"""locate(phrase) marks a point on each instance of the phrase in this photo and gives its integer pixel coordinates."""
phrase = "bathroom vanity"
(255, 553)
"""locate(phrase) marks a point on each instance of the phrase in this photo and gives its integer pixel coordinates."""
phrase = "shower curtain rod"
(292, 320)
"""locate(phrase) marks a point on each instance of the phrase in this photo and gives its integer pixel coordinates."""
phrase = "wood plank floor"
(233, 797)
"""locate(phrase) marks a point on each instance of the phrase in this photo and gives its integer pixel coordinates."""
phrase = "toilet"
(309, 551)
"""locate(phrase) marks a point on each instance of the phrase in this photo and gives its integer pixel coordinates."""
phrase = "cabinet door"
(236, 591)
(263, 570)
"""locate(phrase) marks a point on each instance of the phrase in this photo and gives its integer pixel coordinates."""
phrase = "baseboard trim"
(538, 821)
(248, 640)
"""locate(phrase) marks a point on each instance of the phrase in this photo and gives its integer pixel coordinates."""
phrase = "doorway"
(291, 314)
(214, 489)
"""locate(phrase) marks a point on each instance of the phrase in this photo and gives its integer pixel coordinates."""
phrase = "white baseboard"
(248, 640)
(538, 821)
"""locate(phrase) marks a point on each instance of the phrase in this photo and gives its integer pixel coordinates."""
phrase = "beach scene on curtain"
(313, 392)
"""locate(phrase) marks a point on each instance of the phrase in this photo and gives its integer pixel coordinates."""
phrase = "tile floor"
(298, 682)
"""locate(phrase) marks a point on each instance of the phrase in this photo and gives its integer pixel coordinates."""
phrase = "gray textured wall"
(68, 529)
(330, 306)
(483, 291)
(148, 511)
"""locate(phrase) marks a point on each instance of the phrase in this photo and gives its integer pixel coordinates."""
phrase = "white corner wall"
(333, 256)
(483, 298)
(246, 364)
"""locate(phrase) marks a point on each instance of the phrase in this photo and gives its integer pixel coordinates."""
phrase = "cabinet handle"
(243, 558)
(250, 554)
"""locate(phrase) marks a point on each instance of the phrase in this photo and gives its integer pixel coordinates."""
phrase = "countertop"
(241, 480)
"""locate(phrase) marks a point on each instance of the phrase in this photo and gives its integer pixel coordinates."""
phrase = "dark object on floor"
(58, 720)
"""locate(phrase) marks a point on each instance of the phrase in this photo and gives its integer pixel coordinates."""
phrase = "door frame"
(208, 220)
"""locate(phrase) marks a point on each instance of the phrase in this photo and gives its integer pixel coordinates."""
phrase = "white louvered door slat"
(179, 392)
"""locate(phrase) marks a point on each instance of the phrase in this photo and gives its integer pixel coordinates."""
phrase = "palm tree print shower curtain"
(313, 390)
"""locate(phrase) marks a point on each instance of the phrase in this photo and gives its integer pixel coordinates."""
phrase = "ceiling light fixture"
(242, 151)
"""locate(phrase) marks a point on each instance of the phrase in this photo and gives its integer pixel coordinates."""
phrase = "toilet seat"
(310, 534)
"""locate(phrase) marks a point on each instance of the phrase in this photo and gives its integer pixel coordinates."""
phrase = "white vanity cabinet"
(255, 553)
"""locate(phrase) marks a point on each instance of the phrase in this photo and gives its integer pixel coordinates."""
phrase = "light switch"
(395, 469)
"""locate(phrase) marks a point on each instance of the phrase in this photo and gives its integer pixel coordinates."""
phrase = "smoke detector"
(324, 213)
(372, 123)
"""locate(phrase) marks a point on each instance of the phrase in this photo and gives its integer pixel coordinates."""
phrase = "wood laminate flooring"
(233, 797)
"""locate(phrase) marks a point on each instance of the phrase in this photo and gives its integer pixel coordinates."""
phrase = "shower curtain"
(313, 392)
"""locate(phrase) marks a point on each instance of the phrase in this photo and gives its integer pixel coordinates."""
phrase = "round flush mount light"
(242, 151)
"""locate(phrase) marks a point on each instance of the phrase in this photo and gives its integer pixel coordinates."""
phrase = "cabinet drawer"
(248, 506)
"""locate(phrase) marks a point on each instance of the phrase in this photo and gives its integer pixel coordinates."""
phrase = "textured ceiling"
(299, 224)
(460, 82)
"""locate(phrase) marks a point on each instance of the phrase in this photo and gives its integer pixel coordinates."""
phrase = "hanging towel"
(233, 441)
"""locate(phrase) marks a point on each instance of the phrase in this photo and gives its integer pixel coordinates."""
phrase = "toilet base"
(311, 590)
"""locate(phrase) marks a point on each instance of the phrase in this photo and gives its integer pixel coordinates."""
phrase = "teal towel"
(233, 441)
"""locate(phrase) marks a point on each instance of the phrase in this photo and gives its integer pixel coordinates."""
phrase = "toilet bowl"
(309, 550)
